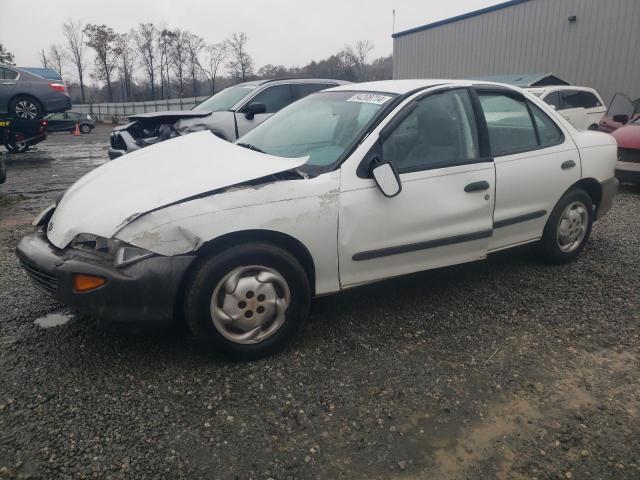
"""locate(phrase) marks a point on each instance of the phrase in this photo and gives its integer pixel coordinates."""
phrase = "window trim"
(395, 122)
(518, 96)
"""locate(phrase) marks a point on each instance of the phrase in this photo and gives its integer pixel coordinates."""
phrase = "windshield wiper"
(250, 147)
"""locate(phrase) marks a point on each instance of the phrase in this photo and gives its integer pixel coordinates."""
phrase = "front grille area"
(629, 155)
(42, 280)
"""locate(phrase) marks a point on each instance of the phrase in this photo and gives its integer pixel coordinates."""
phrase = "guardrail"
(104, 112)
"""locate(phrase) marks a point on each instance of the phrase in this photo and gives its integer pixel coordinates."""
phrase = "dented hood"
(109, 197)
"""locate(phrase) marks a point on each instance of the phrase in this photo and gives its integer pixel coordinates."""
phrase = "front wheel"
(568, 227)
(248, 301)
(85, 128)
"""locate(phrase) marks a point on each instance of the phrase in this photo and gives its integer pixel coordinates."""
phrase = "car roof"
(402, 87)
(559, 87)
(292, 80)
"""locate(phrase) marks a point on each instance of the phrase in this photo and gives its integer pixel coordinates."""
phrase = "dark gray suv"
(228, 114)
(27, 95)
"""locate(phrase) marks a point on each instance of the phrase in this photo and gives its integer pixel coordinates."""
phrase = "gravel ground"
(506, 369)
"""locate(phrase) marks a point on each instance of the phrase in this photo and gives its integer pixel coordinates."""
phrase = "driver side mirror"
(621, 119)
(254, 108)
(387, 179)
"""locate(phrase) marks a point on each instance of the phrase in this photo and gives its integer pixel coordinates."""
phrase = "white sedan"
(345, 187)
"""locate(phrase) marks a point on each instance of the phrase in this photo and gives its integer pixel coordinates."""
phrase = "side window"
(275, 97)
(6, 74)
(440, 132)
(510, 126)
(301, 90)
(548, 131)
(553, 99)
(579, 99)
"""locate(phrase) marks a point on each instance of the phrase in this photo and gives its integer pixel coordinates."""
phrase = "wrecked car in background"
(620, 112)
(345, 187)
(628, 139)
(228, 114)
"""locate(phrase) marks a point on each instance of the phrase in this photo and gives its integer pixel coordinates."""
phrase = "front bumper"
(142, 292)
(628, 172)
(609, 190)
(115, 153)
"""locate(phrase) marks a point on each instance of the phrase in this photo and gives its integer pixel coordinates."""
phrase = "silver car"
(29, 93)
(228, 114)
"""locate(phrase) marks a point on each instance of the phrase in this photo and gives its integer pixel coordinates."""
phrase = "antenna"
(393, 28)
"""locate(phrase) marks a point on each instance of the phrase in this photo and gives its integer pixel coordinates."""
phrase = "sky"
(281, 32)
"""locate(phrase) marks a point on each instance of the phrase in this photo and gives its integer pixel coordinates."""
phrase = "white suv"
(348, 186)
(582, 106)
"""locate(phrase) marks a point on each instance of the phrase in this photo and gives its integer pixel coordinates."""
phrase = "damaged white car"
(352, 185)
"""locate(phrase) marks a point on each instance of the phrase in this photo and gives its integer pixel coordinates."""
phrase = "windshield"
(320, 126)
(225, 99)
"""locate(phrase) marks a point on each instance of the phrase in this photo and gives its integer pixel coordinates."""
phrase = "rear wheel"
(568, 227)
(85, 128)
(248, 301)
(25, 107)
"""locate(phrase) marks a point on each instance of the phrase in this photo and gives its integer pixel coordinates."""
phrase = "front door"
(442, 216)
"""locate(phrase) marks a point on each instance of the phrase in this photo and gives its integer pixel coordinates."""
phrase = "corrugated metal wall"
(601, 49)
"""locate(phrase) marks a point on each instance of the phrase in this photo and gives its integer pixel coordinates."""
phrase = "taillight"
(58, 87)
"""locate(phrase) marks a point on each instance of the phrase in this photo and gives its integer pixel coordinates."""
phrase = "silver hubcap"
(572, 227)
(248, 305)
(26, 109)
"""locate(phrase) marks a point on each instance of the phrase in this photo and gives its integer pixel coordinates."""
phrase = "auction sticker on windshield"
(369, 98)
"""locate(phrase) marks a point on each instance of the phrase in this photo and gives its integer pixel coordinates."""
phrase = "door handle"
(567, 165)
(477, 187)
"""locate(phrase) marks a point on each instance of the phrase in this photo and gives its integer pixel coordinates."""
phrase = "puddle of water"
(53, 320)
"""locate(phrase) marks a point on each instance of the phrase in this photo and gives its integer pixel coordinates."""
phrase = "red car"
(628, 138)
(620, 112)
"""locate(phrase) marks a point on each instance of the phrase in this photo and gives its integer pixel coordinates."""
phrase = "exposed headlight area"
(117, 251)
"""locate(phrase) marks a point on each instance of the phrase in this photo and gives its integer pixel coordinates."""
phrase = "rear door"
(275, 97)
(8, 79)
(536, 161)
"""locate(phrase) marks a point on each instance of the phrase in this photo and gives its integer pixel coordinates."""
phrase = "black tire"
(211, 270)
(85, 128)
(17, 147)
(549, 246)
(593, 128)
(24, 106)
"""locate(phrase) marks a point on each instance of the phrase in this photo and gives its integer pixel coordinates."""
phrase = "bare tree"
(241, 64)
(358, 54)
(145, 40)
(194, 44)
(165, 41)
(126, 57)
(6, 57)
(216, 54)
(102, 39)
(43, 59)
(74, 34)
(179, 57)
(56, 58)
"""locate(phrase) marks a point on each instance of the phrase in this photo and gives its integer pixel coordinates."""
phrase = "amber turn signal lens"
(86, 283)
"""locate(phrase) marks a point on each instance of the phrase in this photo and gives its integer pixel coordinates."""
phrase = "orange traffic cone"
(77, 132)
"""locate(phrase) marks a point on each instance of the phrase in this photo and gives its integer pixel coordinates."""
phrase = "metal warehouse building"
(593, 43)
